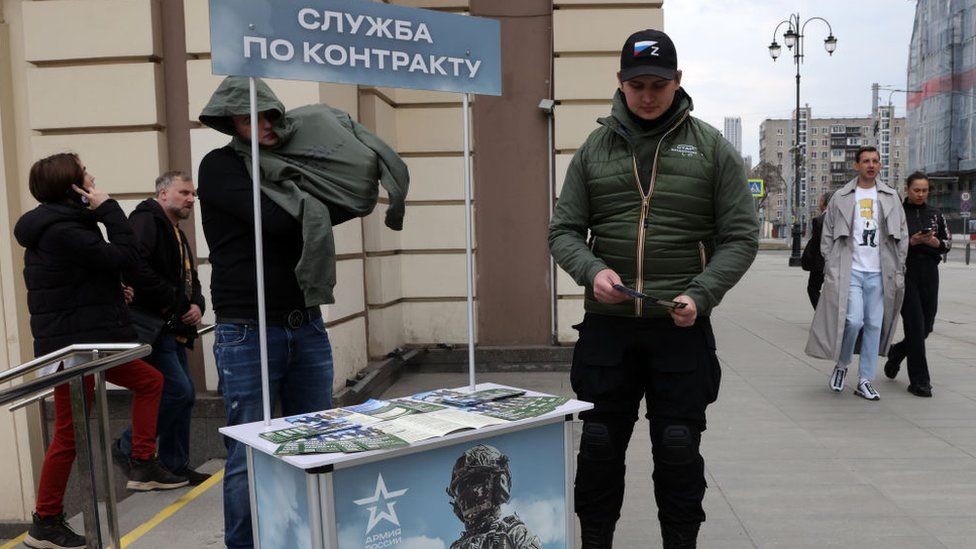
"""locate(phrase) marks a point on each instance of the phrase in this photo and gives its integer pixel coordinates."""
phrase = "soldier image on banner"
(481, 483)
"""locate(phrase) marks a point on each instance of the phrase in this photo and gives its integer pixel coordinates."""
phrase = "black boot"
(597, 535)
(52, 532)
(149, 474)
(679, 536)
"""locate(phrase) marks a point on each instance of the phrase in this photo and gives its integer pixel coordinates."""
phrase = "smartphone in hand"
(641, 295)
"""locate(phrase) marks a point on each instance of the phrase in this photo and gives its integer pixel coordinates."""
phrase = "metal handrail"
(61, 354)
(30, 400)
(65, 352)
(74, 376)
(131, 352)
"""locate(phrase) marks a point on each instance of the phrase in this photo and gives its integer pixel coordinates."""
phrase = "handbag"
(147, 325)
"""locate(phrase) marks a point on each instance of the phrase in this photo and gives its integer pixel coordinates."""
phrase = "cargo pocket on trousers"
(598, 362)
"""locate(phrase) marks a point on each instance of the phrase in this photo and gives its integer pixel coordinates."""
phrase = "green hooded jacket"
(694, 232)
(323, 156)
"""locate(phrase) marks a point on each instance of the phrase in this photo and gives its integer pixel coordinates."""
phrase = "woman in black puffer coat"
(74, 295)
(930, 240)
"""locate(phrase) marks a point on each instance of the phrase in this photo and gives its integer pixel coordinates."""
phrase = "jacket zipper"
(645, 206)
(701, 254)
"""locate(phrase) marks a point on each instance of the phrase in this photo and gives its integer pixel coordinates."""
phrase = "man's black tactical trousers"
(619, 361)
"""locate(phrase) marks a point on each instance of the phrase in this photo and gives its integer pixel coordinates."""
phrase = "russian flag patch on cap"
(640, 47)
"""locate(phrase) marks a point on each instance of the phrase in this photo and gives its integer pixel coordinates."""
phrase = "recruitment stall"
(412, 496)
(440, 473)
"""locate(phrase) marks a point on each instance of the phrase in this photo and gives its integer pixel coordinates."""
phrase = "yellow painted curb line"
(147, 526)
(13, 543)
(170, 510)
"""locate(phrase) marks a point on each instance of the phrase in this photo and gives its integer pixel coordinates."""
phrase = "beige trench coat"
(837, 246)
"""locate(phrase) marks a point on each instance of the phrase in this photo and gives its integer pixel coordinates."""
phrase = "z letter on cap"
(649, 46)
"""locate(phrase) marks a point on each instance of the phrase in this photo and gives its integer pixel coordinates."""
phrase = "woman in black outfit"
(812, 260)
(930, 239)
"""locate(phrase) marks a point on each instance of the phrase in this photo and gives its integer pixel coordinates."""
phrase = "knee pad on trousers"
(679, 444)
(595, 443)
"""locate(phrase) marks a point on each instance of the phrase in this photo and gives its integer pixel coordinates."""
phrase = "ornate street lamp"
(794, 37)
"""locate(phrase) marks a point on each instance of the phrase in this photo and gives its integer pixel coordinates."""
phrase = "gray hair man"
(167, 305)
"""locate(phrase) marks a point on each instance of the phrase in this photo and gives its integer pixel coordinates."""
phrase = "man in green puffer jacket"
(669, 214)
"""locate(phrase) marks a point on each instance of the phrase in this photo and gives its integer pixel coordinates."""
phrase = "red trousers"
(147, 385)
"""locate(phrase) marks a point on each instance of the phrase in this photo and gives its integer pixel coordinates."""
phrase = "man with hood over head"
(318, 168)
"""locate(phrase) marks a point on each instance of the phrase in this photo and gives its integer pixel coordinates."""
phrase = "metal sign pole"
(259, 254)
(467, 237)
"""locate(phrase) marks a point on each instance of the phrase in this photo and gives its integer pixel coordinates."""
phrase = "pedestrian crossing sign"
(757, 187)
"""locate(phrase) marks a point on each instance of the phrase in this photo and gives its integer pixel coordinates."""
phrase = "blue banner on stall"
(510, 486)
(282, 500)
(356, 42)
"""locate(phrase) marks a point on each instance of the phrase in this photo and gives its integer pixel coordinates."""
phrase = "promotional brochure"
(381, 424)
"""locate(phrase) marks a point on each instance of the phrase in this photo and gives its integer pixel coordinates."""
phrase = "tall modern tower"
(733, 132)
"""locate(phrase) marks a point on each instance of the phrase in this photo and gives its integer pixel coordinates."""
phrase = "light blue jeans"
(865, 313)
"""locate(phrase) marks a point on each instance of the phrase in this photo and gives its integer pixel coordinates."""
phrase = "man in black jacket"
(167, 287)
(299, 353)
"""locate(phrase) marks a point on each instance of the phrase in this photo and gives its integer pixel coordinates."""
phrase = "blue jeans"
(175, 406)
(865, 313)
(300, 376)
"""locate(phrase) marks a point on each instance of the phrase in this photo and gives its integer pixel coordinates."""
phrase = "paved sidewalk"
(791, 464)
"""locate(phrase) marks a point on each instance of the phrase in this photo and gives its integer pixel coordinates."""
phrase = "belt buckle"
(295, 319)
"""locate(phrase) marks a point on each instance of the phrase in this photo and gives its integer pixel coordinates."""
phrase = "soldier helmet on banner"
(479, 472)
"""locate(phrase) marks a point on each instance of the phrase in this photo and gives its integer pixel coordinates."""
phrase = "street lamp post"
(793, 38)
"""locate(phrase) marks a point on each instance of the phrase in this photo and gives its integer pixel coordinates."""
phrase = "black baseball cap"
(648, 53)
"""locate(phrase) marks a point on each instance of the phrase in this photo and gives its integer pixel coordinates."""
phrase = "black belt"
(293, 319)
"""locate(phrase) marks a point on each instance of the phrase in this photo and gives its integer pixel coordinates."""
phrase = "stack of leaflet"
(383, 424)
(507, 404)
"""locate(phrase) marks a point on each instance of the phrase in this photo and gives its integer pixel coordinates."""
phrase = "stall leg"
(252, 493)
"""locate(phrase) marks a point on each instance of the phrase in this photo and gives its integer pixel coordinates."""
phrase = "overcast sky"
(723, 53)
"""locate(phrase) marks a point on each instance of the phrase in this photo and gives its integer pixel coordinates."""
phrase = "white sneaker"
(837, 379)
(866, 390)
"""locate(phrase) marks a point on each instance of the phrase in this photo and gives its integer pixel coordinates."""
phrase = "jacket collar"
(620, 121)
(880, 185)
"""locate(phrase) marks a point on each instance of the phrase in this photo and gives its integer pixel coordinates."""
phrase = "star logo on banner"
(381, 497)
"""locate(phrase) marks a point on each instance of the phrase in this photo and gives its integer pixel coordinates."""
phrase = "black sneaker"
(194, 478)
(891, 368)
(149, 474)
(52, 533)
(118, 456)
(920, 390)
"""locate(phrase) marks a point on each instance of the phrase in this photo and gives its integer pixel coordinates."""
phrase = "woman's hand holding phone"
(93, 196)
